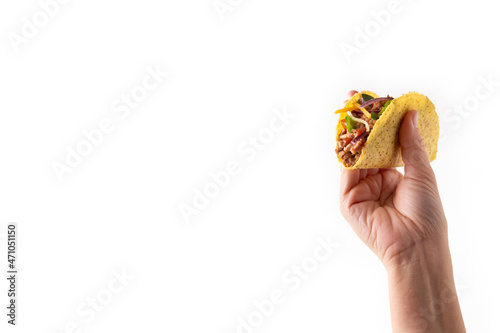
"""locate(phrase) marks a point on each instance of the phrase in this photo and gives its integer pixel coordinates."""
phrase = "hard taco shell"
(382, 149)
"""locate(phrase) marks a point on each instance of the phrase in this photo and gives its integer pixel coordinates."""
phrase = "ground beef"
(348, 151)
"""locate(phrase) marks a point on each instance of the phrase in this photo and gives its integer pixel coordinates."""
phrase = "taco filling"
(358, 119)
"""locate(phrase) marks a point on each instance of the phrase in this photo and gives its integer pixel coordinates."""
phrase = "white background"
(119, 209)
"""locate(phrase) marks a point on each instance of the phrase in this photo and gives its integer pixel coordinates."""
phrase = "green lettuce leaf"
(350, 124)
(366, 98)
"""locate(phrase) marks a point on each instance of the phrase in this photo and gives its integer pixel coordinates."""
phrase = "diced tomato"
(343, 121)
(360, 131)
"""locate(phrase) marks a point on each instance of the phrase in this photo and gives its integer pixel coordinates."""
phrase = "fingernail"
(414, 120)
(352, 93)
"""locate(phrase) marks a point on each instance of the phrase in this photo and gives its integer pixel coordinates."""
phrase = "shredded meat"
(349, 145)
(348, 151)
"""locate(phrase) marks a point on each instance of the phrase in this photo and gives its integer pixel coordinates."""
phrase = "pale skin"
(401, 219)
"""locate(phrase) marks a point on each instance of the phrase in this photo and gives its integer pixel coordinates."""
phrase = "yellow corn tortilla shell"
(382, 149)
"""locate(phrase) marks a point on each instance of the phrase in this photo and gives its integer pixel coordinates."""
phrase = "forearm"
(422, 293)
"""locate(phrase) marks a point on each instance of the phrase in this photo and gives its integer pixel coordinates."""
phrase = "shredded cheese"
(360, 120)
(354, 106)
(353, 98)
(366, 113)
(344, 110)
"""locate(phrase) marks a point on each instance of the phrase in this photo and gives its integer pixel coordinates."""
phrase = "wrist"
(428, 269)
(422, 290)
(430, 255)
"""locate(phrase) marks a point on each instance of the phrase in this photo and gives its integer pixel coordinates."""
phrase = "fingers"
(417, 165)
(350, 94)
(351, 178)
(348, 179)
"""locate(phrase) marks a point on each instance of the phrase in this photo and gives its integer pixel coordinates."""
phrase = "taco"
(368, 129)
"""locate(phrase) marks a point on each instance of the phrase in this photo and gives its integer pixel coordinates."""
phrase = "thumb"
(417, 165)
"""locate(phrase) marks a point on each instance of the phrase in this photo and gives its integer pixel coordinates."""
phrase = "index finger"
(349, 179)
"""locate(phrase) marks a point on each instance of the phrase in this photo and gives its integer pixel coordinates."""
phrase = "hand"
(396, 215)
(401, 219)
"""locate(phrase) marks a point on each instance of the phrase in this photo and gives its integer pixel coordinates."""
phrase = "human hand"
(395, 215)
(401, 219)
